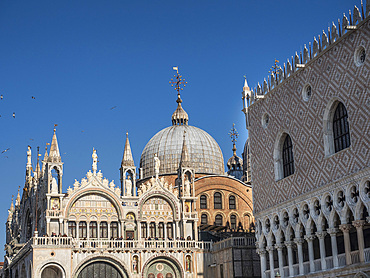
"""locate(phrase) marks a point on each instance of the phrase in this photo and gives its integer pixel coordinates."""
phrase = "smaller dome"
(235, 165)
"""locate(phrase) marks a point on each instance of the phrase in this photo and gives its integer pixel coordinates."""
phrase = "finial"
(126, 134)
(179, 117)
(178, 83)
(55, 125)
(233, 135)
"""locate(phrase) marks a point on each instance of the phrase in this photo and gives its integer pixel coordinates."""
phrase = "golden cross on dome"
(178, 82)
(233, 134)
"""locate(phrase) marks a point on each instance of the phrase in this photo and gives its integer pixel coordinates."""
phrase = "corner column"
(345, 228)
(262, 253)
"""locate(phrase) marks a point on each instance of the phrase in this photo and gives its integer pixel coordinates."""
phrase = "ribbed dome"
(204, 153)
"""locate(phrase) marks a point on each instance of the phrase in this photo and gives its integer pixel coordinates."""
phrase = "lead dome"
(204, 153)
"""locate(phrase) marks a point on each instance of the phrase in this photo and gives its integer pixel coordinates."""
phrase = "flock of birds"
(6, 150)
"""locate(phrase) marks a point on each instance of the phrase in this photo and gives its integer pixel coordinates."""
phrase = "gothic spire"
(12, 204)
(127, 159)
(18, 200)
(54, 148)
(184, 159)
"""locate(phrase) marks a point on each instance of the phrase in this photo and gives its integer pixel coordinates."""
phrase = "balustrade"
(120, 244)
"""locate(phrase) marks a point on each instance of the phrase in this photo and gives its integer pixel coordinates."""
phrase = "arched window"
(72, 229)
(103, 229)
(152, 230)
(161, 230)
(169, 230)
(341, 128)
(82, 230)
(233, 222)
(218, 220)
(232, 203)
(217, 200)
(114, 229)
(144, 230)
(288, 160)
(28, 226)
(203, 201)
(204, 219)
(93, 227)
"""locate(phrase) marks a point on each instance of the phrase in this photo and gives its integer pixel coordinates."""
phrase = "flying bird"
(113, 107)
(4, 151)
(31, 139)
(14, 115)
(33, 97)
(1, 97)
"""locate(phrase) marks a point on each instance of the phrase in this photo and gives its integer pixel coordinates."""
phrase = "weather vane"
(178, 82)
(233, 134)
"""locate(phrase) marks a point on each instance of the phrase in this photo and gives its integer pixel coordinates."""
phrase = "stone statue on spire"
(95, 161)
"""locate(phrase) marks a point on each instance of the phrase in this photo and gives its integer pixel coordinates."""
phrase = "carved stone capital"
(359, 224)
(345, 228)
(299, 241)
(289, 244)
(279, 246)
(333, 231)
(270, 248)
(261, 251)
(309, 237)
(321, 235)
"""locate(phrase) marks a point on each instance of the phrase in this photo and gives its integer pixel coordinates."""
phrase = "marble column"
(309, 239)
(280, 248)
(359, 224)
(289, 246)
(321, 236)
(77, 229)
(270, 249)
(334, 247)
(345, 228)
(262, 253)
(299, 242)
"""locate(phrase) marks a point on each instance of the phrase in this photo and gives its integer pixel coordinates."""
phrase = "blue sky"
(81, 58)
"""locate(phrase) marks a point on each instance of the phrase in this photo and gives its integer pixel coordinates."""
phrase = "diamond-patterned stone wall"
(331, 74)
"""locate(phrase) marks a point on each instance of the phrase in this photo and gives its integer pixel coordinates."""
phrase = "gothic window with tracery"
(341, 128)
(93, 227)
(288, 160)
(104, 229)
(82, 229)
(232, 202)
(203, 201)
(217, 200)
(72, 228)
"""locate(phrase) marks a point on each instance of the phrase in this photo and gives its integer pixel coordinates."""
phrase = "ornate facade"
(147, 226)
(309, 145)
